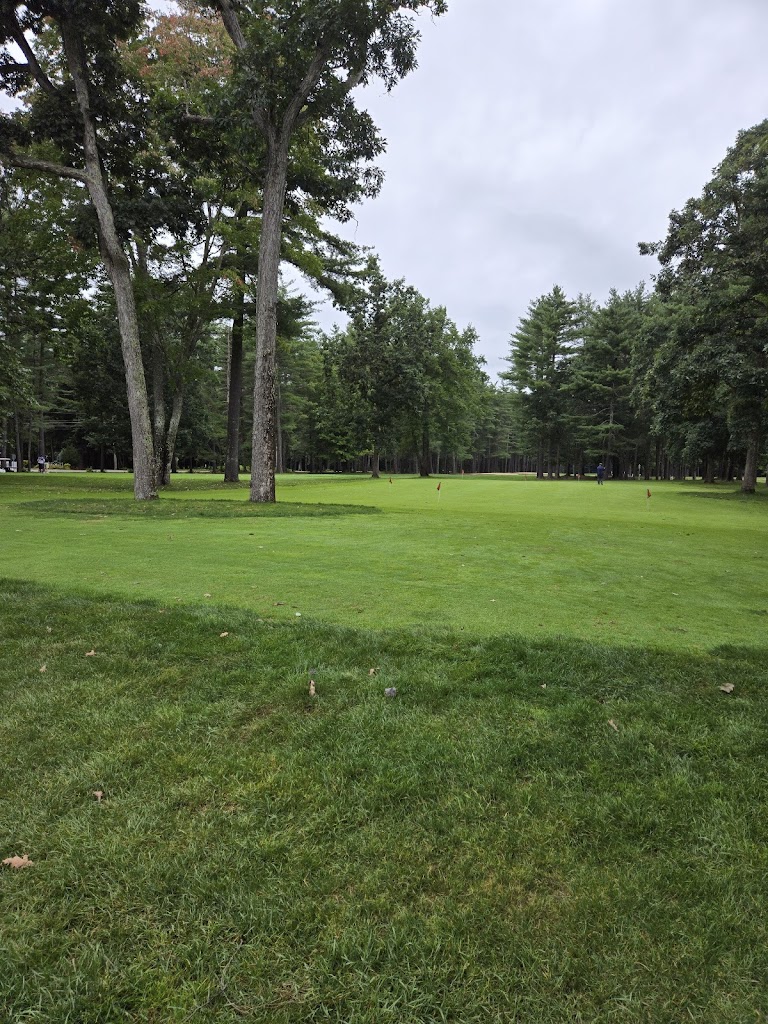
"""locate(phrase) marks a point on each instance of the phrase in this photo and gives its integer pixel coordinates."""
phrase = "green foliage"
(69, 456)
(542, 348)
(712, 285)
(606, 421)
(408, 377)
(53, 116)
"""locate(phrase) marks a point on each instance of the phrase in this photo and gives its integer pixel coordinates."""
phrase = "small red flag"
(438, 486)
(649, 492)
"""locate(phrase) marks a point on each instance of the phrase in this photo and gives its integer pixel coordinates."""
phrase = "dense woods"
(156, 172)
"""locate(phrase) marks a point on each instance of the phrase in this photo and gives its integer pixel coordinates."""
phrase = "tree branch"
(37, 72)
(231, 23)
(354, 78)
(45, 167)
(235, 32)
(199, 119)
(311, 78)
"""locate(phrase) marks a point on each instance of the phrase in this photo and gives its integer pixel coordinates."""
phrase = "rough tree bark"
(264, 385)
(235, 391)
(118, 268)
(749, 480)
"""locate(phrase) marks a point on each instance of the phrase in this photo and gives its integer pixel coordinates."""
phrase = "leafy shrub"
(69, 454)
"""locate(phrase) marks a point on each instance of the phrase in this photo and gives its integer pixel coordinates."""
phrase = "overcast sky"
(538, 143)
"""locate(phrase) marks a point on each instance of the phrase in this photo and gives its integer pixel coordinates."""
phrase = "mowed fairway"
(560, 818)
(686, 568)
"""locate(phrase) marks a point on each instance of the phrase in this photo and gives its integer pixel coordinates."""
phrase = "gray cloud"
(537, 144)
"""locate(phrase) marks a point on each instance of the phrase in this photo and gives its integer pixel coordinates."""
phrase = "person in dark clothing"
(600, 473)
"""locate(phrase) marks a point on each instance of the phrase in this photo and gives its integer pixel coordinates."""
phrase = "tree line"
(159, 169)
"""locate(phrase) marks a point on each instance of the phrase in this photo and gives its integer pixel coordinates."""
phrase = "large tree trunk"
(424, 460)
(119, 271)
(19, 452)
(279, 453)
(41, 396)
(749, 480)
(169, 445)
(264, 396)
(158, 410)
(376, 465)
(235, 391)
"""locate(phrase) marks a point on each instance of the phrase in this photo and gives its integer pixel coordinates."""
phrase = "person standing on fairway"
(600, 473)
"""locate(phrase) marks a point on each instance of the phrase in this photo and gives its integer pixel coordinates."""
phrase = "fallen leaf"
(98, 795)
(223, 634)
(48, 629)
(206, 595)
(543, 686)
(372, 671)
(298, 615)
(279, 604)
(727, 688)
(613, 725)
(43, 668)
(312, 688)
(89, 654)
(391, 691)
(18, 862)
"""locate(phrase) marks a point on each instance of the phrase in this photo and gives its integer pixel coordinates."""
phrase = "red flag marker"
(649, 492)
(438, 486)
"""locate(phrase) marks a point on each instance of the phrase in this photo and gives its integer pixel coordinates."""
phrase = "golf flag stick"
(648, 499)
(439, 492)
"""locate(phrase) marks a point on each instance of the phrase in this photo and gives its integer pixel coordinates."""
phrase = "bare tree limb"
(235, 33)
(37, 72)
(199, 119)
(45, 167)
(354, 79)
(310, 80)
(231, 23)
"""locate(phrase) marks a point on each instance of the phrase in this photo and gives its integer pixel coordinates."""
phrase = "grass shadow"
(188, 509)
(528, 830)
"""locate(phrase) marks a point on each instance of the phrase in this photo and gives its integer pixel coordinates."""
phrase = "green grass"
(487, 556)
(486, 847)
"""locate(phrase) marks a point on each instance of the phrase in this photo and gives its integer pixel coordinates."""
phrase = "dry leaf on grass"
(89, 654)
(98, 795)
(312, 688)
(18, 862)
(223, 634)
(613, 725)
(48, 629)
(727, 688)
(372, 671)
(206, 595)
(43, 668)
